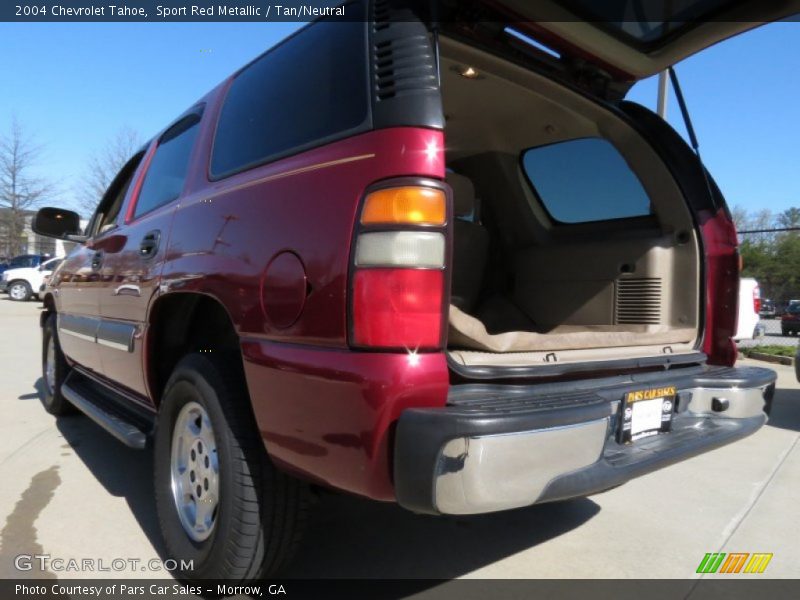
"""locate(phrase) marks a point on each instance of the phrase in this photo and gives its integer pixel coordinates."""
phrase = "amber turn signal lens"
(409, 204)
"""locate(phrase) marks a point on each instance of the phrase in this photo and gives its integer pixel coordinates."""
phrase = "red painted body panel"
(79, 294)
(225, 234)
(128, 284)
(325, 411)
(327, 414)
(283, 290)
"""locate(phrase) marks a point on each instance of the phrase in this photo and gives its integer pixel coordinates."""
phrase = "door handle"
(148, 247)
(97, 260)
(128, 289)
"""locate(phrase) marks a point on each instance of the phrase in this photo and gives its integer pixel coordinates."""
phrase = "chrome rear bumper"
(480, 456)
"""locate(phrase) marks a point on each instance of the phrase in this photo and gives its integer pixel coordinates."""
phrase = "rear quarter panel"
(324, 411)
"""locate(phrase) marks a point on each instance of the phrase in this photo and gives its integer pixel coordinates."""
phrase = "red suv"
(437, 266)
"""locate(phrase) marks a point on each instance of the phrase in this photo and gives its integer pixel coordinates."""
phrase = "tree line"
(24, 189)
(771, 254)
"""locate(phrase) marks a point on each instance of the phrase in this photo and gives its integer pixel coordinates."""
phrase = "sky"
(72, 86)
(742, 96)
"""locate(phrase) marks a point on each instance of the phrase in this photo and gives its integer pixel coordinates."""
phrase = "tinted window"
(585, 180)
(651, 21)
(108, 210)
(167, 171)
(20, 262)
(304, 92)
(51, 265)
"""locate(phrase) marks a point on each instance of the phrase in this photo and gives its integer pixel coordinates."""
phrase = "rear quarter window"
(309, 90)
(584, 180)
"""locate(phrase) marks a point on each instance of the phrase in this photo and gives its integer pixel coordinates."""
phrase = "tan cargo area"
(526, 288)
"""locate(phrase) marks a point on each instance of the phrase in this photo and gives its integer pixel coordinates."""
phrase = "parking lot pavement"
(69, 490)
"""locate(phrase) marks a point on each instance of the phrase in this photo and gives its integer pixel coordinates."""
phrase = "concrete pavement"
(71, 491)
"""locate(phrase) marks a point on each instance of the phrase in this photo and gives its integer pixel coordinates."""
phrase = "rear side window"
(584, 180)
(166, 174)
(307, 91)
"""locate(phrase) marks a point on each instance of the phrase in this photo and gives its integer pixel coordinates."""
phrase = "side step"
(109, 409)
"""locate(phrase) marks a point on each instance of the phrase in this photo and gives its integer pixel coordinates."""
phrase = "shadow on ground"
(354, 538)
(122, 471)
(38, 392)
(351, 537)
(785, 410)
(348, 536)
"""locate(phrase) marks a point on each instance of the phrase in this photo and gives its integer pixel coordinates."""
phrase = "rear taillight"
(722, 286)
(398, 283)
(406, 205)
(757, 299)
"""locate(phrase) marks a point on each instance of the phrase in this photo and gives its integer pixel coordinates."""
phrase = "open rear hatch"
(642, 290)
(608, 46)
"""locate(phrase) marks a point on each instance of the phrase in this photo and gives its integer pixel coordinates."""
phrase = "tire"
(19, 291)
(255, 514)
(53, 358)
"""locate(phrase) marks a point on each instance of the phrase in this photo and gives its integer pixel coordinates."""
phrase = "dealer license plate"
(645, 413)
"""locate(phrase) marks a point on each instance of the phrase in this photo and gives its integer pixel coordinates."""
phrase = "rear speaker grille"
(638, 301)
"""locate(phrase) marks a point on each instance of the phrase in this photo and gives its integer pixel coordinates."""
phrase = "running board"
(108, 409)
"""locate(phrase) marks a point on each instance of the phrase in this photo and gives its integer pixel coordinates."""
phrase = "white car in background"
(24, 283)
(749, 307)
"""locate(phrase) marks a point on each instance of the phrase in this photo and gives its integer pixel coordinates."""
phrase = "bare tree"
(763, 219)
(789, 217)
(741, 217)
(20, 190)
(104, 165)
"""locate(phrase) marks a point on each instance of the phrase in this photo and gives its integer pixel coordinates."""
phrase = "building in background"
(28, 242)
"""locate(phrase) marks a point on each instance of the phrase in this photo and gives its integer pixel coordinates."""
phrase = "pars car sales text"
(57, 589)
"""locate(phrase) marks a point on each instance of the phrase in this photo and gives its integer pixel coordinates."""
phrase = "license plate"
(645, 413)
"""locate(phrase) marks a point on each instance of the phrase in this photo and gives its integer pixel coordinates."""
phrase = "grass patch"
(773, 350)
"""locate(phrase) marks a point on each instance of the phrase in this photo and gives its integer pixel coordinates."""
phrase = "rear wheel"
(19, 291)
(221, 503)
(54, 370)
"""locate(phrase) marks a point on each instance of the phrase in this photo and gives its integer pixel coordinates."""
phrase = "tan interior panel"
(579, 284)
(593, 290)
